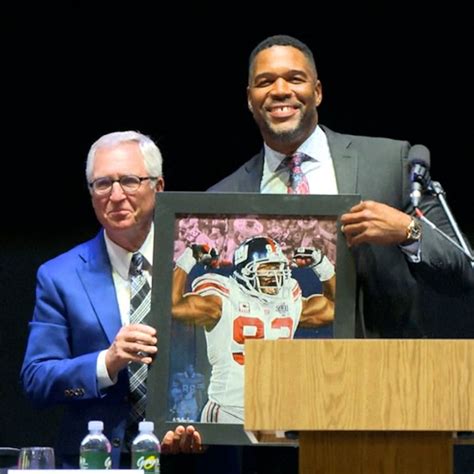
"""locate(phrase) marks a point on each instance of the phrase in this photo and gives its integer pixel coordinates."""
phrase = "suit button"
(67, 393)
(116, 442)
(125, 398)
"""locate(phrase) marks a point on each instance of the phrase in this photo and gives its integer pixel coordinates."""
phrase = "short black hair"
(282, 40)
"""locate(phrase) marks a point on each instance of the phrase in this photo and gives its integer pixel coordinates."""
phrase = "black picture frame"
(182, 344)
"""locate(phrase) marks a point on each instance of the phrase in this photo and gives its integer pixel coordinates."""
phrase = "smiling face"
(283, 94)
(125, 217)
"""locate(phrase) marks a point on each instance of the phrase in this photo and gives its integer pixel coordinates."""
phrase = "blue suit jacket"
(76, 316)
(395, 297)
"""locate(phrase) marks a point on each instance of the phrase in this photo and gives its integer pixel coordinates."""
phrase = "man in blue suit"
(399, 260)
(80, 341)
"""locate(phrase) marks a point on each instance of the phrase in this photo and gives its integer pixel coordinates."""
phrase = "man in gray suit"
(396, 256)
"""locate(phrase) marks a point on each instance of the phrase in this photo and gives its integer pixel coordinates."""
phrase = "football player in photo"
(259, 300)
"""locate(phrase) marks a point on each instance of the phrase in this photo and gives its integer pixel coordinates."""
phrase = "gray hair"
(150, 151)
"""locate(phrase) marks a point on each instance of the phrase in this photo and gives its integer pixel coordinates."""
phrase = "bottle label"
(95, 460)
(149, 461)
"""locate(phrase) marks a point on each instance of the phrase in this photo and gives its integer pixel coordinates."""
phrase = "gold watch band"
(413, 231)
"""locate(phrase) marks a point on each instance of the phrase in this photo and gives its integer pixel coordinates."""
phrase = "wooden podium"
(363, 405)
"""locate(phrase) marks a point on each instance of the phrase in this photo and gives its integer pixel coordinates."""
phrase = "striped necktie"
(297, 183)
(140, 302)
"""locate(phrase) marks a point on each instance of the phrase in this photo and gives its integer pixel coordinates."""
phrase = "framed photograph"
(229, 267)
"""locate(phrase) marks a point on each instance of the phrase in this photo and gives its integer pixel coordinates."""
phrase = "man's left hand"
(206, 255)
(375, 223)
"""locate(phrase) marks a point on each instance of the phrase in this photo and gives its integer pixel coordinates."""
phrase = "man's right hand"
(182, 440)
(133, 343)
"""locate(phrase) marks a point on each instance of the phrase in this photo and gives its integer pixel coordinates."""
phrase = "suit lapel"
(345, 161)
(254, 169)
(96, 276)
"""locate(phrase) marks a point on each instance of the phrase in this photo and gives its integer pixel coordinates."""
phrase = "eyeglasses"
(129, 184)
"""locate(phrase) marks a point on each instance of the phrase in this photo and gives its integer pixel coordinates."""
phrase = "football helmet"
(260, 267)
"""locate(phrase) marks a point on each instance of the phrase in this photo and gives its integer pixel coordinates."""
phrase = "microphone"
(419, 163)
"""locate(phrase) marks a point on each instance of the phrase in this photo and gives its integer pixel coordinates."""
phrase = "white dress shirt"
(120, 261)
(318, 168)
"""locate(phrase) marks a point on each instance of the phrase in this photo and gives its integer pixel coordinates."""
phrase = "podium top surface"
(360, 384)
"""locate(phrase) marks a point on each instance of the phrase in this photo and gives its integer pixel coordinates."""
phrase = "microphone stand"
(437, 190)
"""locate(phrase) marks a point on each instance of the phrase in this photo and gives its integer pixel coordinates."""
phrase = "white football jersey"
(243, 317)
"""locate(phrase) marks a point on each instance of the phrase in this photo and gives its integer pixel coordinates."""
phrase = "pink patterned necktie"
(298, 183)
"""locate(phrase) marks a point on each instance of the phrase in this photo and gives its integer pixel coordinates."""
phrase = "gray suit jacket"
(392, 296)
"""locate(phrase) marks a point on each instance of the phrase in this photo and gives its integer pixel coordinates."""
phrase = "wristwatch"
(413, 231)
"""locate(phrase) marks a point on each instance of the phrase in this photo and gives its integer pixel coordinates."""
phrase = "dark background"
(73, 73)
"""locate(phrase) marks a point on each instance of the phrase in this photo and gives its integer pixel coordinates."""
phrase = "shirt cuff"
(412, 251)
(103, 379)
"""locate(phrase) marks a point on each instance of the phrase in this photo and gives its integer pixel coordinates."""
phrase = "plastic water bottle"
(95, 448)
(146, 449)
